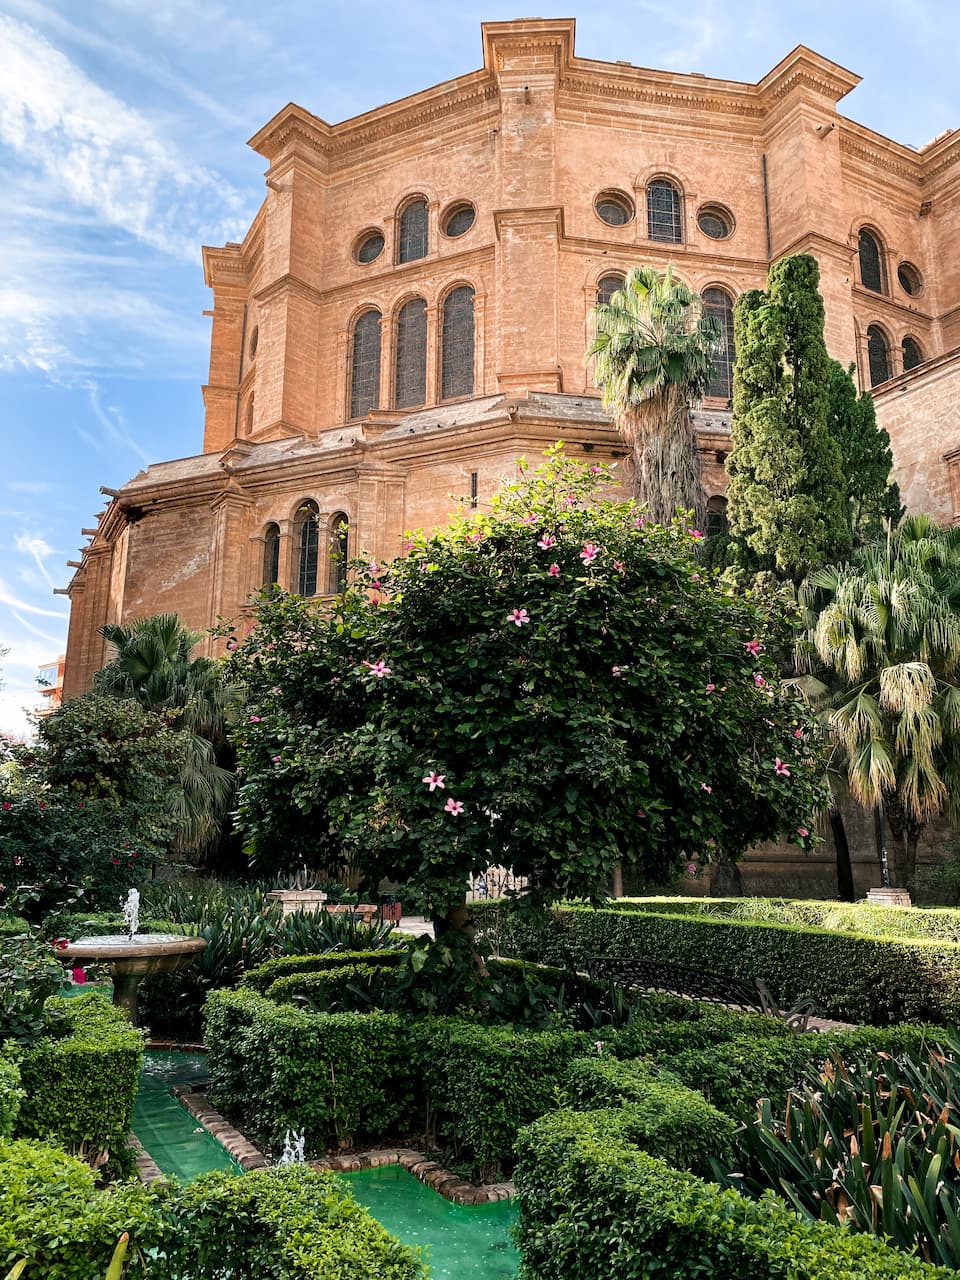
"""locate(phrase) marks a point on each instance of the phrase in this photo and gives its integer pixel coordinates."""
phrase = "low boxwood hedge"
(264, 975)
(11, 1094)
(854, 978)
(80, 1081)
(352, 988)
(333, 1076)
(594, 1205)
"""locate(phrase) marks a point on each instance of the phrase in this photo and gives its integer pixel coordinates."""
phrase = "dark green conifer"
(866, 458)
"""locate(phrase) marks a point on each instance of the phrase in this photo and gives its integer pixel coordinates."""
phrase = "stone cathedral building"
(409, 309)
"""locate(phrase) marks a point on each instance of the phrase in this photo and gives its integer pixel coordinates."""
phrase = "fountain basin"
(127, 959)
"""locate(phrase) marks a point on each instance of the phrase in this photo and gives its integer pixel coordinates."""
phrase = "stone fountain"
(129, 957)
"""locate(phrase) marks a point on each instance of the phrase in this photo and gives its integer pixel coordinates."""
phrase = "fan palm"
(153, 666)
(886, 629)
(654, 351)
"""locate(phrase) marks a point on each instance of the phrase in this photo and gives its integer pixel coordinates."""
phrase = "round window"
(911, 281)
(613, 208)
(370, 246)
(459, 220)
(715, 221)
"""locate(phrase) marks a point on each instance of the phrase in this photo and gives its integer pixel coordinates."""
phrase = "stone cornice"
(930, 370)
(876, 152)
(804, 69)
(223, 266)
(686, 93)
(288, 283)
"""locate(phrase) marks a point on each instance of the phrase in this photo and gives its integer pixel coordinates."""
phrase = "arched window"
(912, 354)
(718, 304)
(410, 369)
(607, 286)
(878, 355)
(456, 378)
(271, 556)
(365, 364)
(871, 261)
(716, 516)
(248, 417)
(663, 212)
(412, 241)
(339, 554)
(308, 541)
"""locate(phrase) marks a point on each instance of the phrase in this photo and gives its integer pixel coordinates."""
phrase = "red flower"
(79, 976)
(7, 805)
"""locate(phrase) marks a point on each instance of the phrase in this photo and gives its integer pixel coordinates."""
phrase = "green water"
(461, 1242)
(173, 1138)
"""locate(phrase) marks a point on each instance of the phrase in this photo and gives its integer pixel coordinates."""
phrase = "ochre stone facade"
(538, 144)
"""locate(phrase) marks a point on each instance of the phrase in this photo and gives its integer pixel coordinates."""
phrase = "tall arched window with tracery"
(339, 554)
(271, 556)
(456, 343)
(413, 237)
(871, 261)
(664, 221)
(608, 285)
(308, 545)
(878, 355)
(718, 304)
(365, 364)
(410, 365)
(912, 354)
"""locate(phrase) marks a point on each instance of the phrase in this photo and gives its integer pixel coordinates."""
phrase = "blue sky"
(122, 149)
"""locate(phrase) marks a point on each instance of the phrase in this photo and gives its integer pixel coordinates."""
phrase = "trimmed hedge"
(264, 975)
(484, 1083)
(352, 988)
(850, 977)
(333, 1076)
(81, 1088)
(11, 1095)
(594, 1205)
(660, 1115)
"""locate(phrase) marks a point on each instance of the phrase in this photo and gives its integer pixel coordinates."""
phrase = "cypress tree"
(786, 501)
(866, 458)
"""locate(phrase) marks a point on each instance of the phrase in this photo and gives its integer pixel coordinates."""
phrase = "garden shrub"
(29, 975)
(854, 978)
(350, 988)
(332, 1076)
(593, 1205)
(283, 1224)
(263, 975)
(664, 1025)
(11, 1094)
(81, 1079)
(484, 1083)
(51, 1213)
(662, 1116)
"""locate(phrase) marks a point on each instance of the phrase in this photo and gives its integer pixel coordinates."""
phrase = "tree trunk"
(618, 880)
(726, 881)
(845, 889)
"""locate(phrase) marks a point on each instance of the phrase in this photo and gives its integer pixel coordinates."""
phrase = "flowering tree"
(552, 687)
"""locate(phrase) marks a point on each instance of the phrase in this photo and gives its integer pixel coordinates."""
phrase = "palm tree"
(153, 666)
(654, 349)
(886, 628)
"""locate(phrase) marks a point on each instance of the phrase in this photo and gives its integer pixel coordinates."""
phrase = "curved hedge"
(264, 975)
(848, 976)
(594, 1205)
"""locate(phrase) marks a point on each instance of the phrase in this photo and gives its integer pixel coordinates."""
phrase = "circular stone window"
(458, 220)
(911, 281)
(614, 208)
(254, 339)
(715, 221)
(369, 246)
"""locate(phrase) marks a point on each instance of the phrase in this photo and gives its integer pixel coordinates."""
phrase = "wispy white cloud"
(104, 154)
(115, 429)
(8, 598)
(36, 488)
(38, 549)
(52, 640)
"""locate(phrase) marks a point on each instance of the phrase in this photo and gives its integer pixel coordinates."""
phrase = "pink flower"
(519, 617)
(798, 733)
(79, 976)
(640, 522)
(710, 688)
(802, 831)
(435, 781)
(694, 577)
(529, 518)
(619, 670)
(231, 644)
(60, 942)
(116, 862)
(620, 566)
(554, 571)
(277, 759)
(373, 567)
(704, 787)
(752, 647)
(641, 813)
(7, 804)
(589, 553)
(780, 768)
(376, 586)
(546, 542)
(453, 807)
(378, 668)
(571, 499)
(254, 719)
(17, 862)
(595, 470)
(691, 869)
(695, 534)
(475, 537)
(758, 680)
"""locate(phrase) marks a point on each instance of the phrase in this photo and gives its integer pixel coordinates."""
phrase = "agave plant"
(874, 1145)
(310, 933)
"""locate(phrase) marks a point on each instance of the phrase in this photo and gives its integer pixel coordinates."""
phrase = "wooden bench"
(662, 978)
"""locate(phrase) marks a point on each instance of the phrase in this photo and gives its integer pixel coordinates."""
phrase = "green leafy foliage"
(873, 1144)
(81, 1079)
(11, 1094)
(29, 973)
(866, 459)
(264, 975)
(787, 502)
(594, 1204)
(607, 711)
(853, 978)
